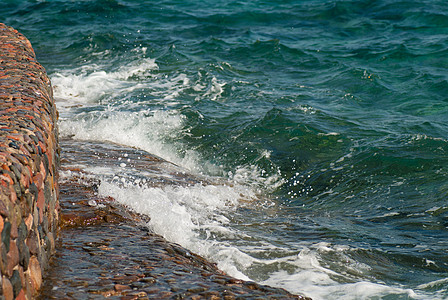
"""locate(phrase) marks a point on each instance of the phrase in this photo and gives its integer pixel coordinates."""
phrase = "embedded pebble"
(29, 161)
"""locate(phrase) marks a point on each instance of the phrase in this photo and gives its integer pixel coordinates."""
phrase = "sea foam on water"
(96, 105)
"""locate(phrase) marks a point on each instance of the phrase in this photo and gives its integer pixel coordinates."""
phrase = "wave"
(203, 218)
(332, 139)
(135, 104)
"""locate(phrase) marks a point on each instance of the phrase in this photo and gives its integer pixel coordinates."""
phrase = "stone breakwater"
(29, 160)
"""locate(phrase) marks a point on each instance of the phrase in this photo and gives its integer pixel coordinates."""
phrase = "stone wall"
(29, 160)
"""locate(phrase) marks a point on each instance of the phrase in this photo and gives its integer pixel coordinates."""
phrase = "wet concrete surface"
(105, 251)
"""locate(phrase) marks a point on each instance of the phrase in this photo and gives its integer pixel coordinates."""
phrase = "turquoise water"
(328, 118)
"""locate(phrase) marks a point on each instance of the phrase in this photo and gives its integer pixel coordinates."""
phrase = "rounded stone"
(8, 291)
(24, 254)
(23, 231)
(29, 222)
(12, 258)
(122, 287)
(52, 242)
(6, 235)
(4, 258)
(33, 243)
(16, 282)
(35, 273)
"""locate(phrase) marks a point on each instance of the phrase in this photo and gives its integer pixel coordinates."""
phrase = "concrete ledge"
(29, 160)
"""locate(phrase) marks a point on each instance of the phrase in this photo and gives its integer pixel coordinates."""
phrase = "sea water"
(323, 125)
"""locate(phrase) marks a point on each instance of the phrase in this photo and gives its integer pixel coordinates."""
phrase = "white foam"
(254, 176)
(91, 83)
(312, 279)
(110, 114)
(191, 216)
(128, 123)
(200, 219)
(143, 129)
(216, 89)
(197, 217)
(434, 283)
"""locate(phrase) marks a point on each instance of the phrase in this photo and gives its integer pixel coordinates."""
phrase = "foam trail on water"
(189, 216)
(200, 219)
(97, 104)
(318, 282)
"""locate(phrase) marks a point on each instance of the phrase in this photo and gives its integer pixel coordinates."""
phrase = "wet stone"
(149, 280)
(12, 258)
(14, 225)
(8, 290)
(6, 235)
(16, 282)
(126, 279)
(4, 259)
(47, 244)
(15, 169)
(22, 296)
(3, 209)
(129, 297)
(24, 254)
(196, 289)
(140, 295)
(22, 232)
(114, 257)
(138, 285)
(45, 224)
(33, 243)
(35, 273)
(121, 287)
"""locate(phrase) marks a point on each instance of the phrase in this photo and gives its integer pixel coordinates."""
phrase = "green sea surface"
(334, 112)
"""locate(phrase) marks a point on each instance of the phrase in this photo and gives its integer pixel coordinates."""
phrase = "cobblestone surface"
(29, 158)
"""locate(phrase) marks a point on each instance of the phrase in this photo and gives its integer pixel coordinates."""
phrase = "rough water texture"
(102, 253)
(327, 117)
(29, 159)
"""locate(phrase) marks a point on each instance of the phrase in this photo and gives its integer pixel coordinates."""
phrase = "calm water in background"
(328, 118)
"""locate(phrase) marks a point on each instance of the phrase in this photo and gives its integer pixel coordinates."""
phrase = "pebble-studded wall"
(29, 160)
